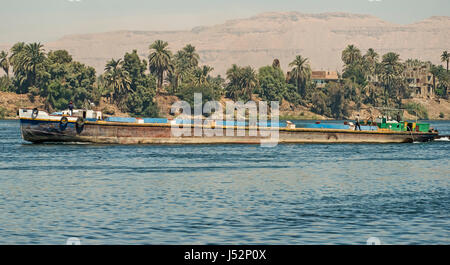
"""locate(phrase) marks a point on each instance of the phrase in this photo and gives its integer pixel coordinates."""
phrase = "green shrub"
(208, 92)
(140, 103)
(441, 115)
(108, 110)
(272, 83)
(6, 84)
(3, 113)
(416, 109)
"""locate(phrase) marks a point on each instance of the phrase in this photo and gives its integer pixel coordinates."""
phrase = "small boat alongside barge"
(91, 127)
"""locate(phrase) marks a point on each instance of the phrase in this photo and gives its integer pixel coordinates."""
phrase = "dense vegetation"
(53, 76)
(131, 83)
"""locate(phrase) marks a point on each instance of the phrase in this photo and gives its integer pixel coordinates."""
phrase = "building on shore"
(417, 75)
(420, 80)
(321, 78)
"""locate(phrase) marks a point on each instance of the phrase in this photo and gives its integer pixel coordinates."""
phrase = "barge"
(89, 126)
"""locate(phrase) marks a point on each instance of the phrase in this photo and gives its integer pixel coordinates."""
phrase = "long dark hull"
(132, 133)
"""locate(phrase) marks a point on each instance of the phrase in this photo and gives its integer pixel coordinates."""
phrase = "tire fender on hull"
(79, 125)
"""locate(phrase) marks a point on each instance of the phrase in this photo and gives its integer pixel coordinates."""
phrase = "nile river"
(223, 194)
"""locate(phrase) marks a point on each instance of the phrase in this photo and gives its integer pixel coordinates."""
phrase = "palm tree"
(190, 56)
(391, 70)
(184, 63)
(159, 60)
(351, 55)
(249, 81)
(33, 56)
(4, 62)
(391, 63)
(301, 72)
(201, 74)
(179, 71)
(371, 55)
(371, 58)
(173, 78)
(117, 79)
(16, 52)
(445, 57)
(234, 76)
(276, 63)
(435, 72)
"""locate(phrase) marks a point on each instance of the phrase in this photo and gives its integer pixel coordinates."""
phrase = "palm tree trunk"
(34, 75)
(160, 80)
(446, 88)
(434, 83)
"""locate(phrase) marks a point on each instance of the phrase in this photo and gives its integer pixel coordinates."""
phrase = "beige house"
(323, 77)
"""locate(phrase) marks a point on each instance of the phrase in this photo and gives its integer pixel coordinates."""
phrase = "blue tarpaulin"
(133, 120)
(270, 124)
(155, 120)
(121, 119)
(327, 126)
(368, 128)
(179, 121)
(230, 123)
(338, 126)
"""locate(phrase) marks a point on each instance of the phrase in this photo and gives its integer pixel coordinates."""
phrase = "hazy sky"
(46, 20)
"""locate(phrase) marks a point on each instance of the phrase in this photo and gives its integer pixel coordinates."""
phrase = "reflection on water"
(230, 194)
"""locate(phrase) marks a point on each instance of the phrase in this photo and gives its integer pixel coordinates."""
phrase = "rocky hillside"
(257, 40)
(11, 102)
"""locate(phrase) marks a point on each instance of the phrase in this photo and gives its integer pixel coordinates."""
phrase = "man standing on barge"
(357, 125)
(71, 108)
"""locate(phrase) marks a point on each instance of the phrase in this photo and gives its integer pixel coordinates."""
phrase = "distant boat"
(38, 126)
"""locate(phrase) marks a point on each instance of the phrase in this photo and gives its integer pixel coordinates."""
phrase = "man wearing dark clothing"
(71, 108)
(357, 125)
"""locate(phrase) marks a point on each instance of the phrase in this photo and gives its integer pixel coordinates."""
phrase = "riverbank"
(11, 102)
(437, 109)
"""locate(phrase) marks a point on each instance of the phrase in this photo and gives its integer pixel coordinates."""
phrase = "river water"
(223, 194)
